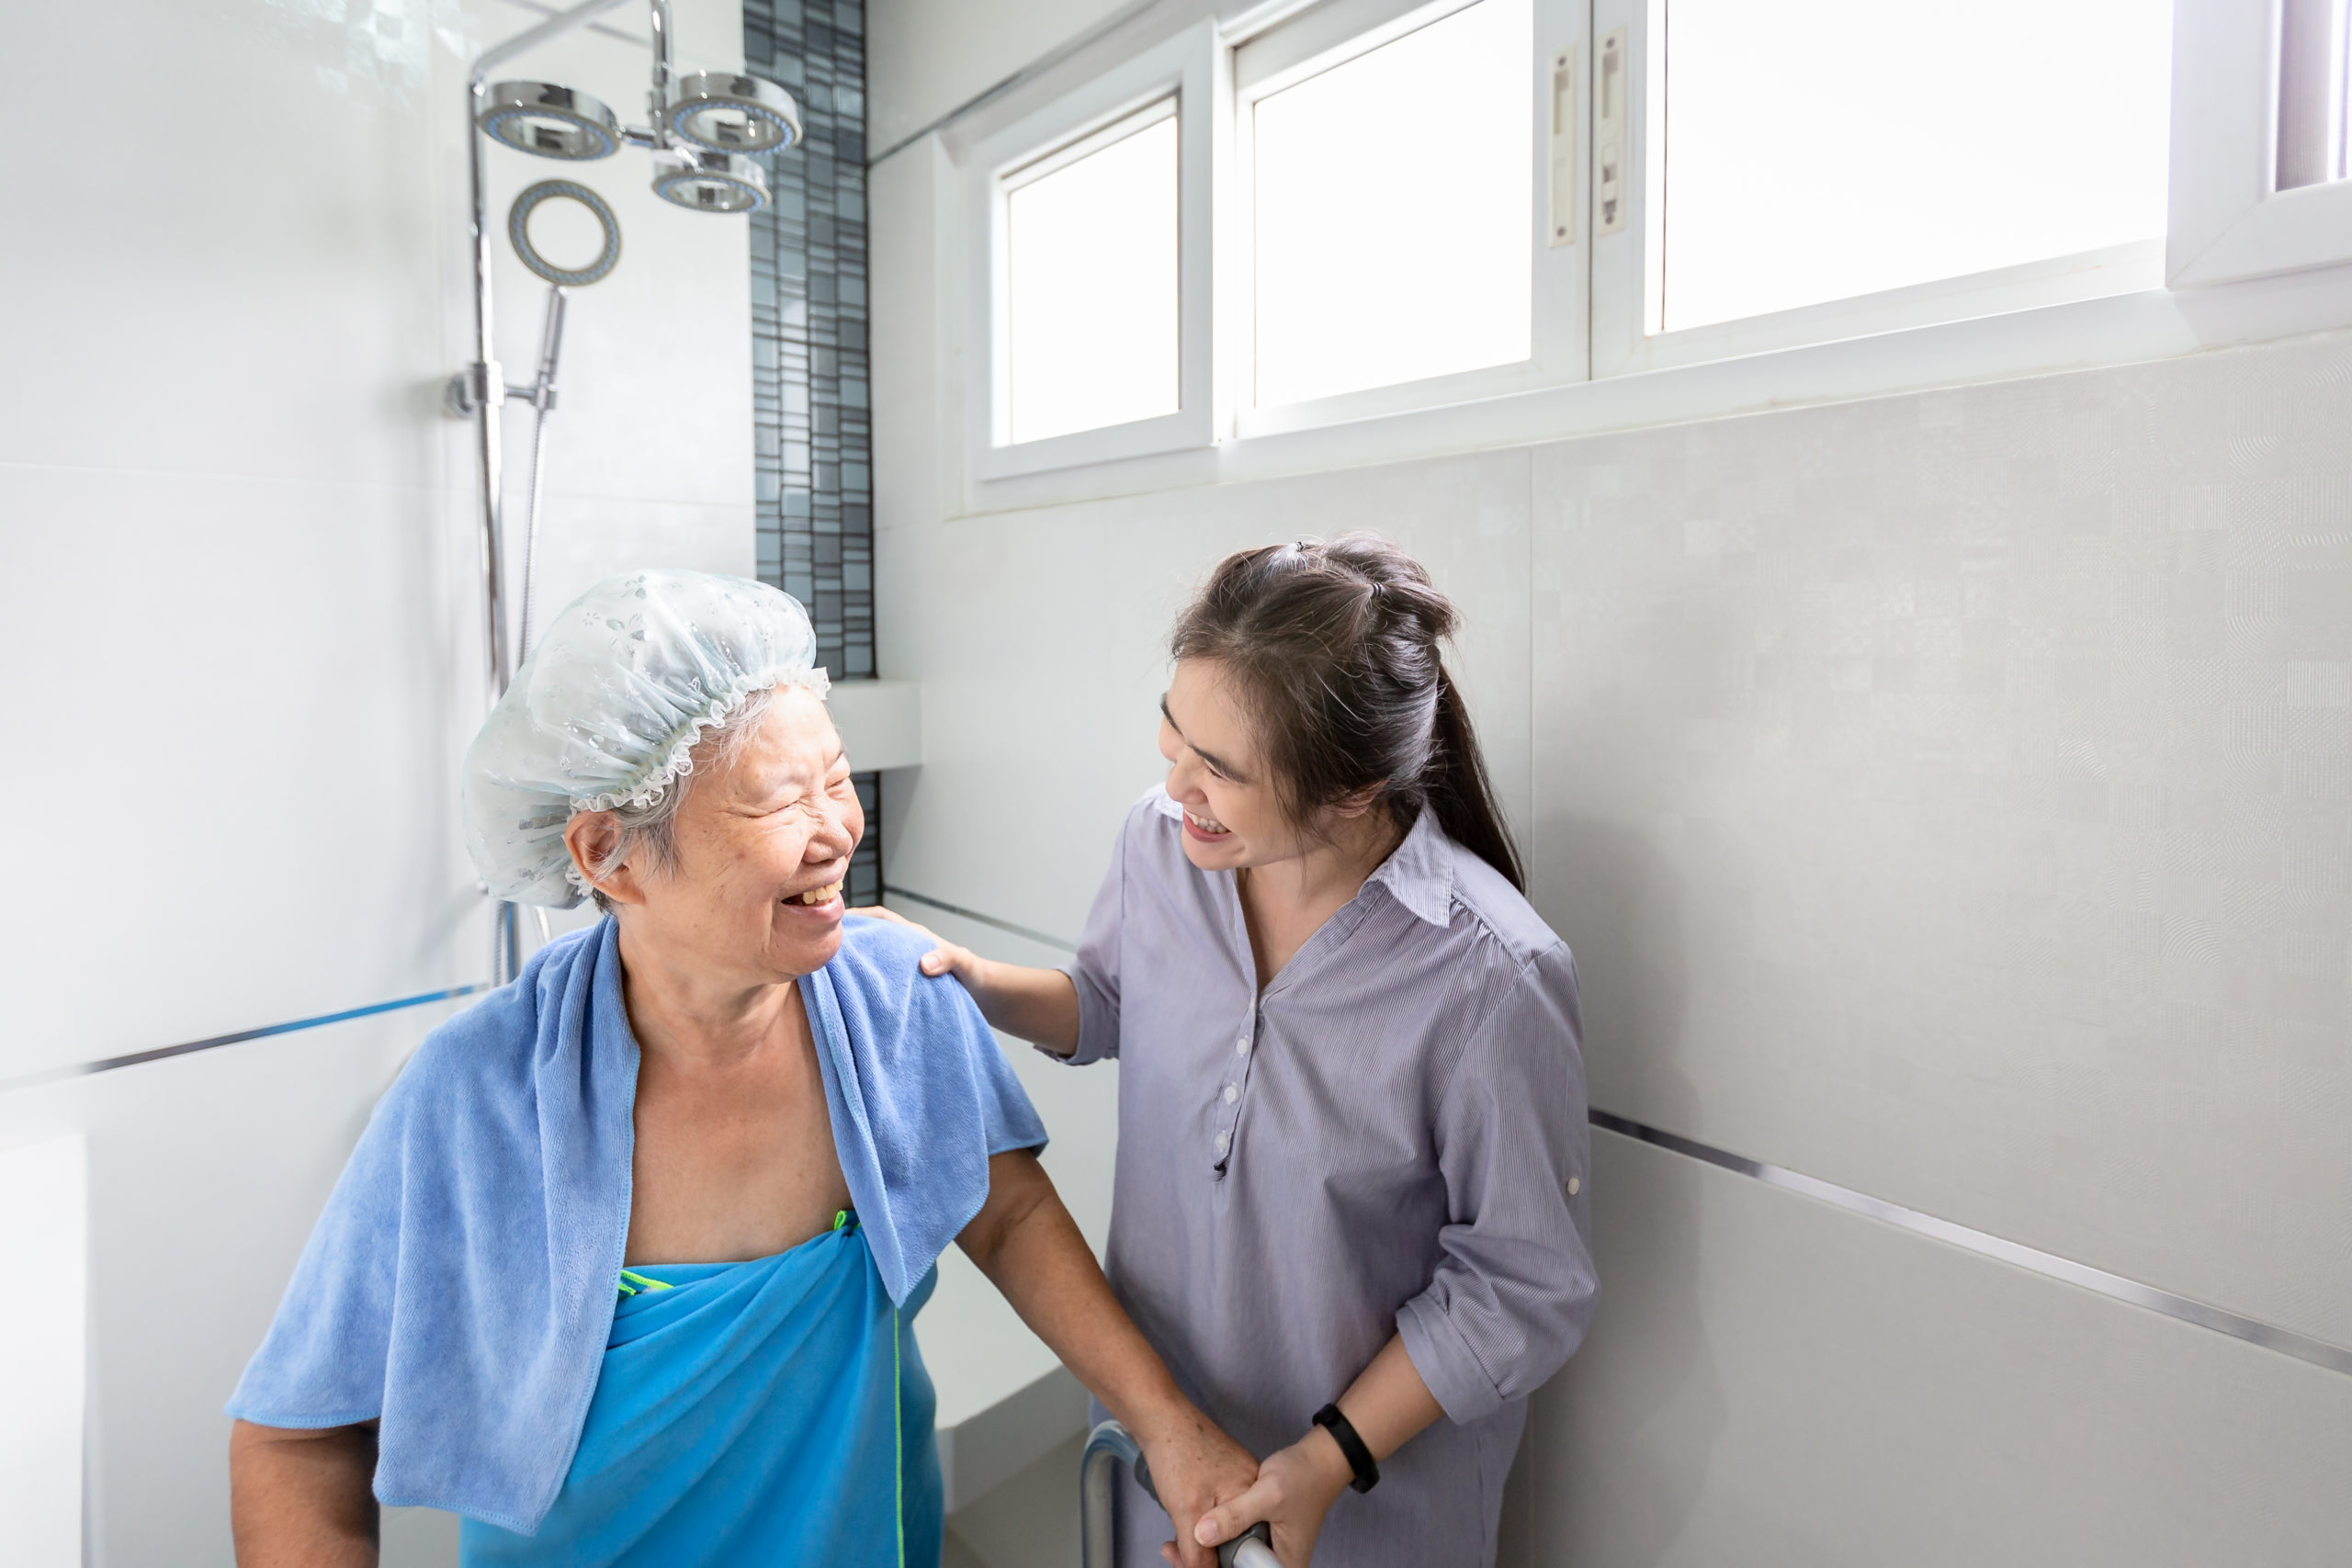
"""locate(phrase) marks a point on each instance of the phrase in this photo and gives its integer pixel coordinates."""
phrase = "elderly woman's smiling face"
(757, 836)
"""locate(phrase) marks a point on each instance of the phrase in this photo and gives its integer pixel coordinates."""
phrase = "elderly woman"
(622, 1268)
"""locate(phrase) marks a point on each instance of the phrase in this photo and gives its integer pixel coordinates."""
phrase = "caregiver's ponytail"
(1334, 647)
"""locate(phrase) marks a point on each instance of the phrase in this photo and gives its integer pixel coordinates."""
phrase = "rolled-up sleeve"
(1514, 1287)
(1095, 971)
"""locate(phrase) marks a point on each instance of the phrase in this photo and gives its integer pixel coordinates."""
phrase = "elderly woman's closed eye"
(622, 1269)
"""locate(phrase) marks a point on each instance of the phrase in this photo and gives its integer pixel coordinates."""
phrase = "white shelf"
(880, 721)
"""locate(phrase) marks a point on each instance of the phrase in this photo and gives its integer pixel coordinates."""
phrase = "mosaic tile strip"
(808, 328)
(815, 440)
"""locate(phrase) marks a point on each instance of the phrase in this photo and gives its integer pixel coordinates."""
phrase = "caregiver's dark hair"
(1334, 646)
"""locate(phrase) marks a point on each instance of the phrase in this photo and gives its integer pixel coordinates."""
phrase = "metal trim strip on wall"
(163, 1053)
(2269, 1335)
(2116, 1287)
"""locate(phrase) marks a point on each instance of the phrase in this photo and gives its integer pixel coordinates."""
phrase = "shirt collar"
(1420, 872)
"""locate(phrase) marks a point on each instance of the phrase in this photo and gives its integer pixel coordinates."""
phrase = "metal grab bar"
(1107, 1447)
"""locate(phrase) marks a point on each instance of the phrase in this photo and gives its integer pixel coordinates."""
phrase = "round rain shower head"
(710, 182)
(518, 232)
(725, 112)
(549, 122)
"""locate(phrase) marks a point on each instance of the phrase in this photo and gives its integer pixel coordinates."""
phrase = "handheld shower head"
(724, 111)
(518, 233)
(710, 182)
(549, 122)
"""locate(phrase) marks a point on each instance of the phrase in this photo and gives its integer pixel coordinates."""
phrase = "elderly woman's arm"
(1026, 1242)
(302, 1499)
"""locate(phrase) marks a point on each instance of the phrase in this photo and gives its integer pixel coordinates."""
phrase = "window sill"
(2120, 329)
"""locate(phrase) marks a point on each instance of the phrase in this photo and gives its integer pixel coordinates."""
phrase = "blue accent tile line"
(162, 1053)
(809, 360)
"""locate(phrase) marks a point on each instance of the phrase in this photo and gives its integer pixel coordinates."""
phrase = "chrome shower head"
(710, 182)
(724, 111)
(549, 122)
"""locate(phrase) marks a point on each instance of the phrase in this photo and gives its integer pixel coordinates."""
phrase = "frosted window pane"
(1393, 211)
(1821, 149)
(1091, 289)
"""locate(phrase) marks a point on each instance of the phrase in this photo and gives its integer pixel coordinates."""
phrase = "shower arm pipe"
(664, 35)
(555, 27)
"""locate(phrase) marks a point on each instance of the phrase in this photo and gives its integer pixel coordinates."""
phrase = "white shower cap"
(609, 705)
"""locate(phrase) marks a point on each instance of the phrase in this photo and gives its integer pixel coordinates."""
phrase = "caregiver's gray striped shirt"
(1390, 1139)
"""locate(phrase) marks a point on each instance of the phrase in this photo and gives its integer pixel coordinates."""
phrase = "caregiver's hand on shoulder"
(1194, 1467)
(1038, 1005)
(1296, 1487)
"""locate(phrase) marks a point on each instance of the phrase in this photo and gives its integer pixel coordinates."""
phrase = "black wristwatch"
(1359, 1457)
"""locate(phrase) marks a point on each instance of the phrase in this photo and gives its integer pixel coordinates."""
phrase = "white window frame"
(1311, 40)
(1628, 336)
(2276, 261)
(1181, 69)
(2229, 219)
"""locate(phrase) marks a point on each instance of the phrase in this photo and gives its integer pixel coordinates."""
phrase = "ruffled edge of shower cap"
(521, 771)
(687, 736)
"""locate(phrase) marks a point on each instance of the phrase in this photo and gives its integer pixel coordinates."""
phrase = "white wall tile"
(909, 454)
(926, 57)
(44, 1334)
(227, 263)
(241, 706)
(1041, 639)
(1947, 797)
(1771, 1381)
(206, 1173)
(242, 618)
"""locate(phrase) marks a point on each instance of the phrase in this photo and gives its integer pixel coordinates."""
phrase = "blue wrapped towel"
(460, 1285)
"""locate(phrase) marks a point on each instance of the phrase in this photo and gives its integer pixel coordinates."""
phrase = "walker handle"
(1106, 1446)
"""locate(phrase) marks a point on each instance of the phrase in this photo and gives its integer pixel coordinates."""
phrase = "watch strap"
(1359, 1457)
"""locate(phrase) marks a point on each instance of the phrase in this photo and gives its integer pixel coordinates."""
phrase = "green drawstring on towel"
(632, 1283)
(643, 1282)
(898, 1424)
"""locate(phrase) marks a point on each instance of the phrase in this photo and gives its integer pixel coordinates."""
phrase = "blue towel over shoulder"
(459, 1286)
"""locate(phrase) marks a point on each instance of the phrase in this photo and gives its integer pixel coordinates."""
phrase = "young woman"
(1349, 1203)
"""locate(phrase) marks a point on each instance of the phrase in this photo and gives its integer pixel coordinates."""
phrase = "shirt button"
(1241, 1047)
(1574, 1186)
(1224, 1141)
(1231, 1094)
